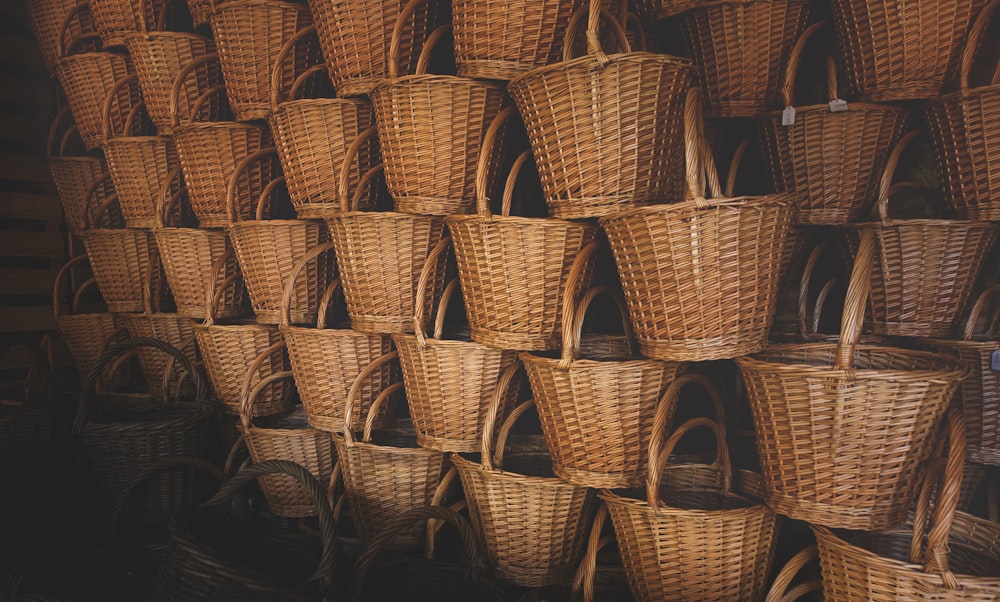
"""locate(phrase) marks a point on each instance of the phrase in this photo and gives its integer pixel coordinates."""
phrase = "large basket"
(431, 129)
(46, 17)
(115, 20)
(380, 254)
(326, 361)
(897, 50)
(701, 276)
(925, 268)
(832, 452)
(964, 130)
(596, 412)
(605, 130)
(312, 136)
(356, 39)
(514, 269)
(249, 35)
(73, 175)
(692, 541)
(534, 527)
(383, 481)
(833, 191)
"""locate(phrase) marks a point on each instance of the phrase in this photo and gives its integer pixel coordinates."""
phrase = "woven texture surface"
(172, 329)
(47, 16)
(87, 80)
(73, 177)
(188, 254)
(140, 167)
(121, 260)
(116, 19)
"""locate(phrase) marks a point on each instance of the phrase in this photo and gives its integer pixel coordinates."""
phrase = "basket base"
(516, 340)
(830, 216)
(911, 329)
(836, 516)
(916, 90)
(486, 69)
(335, 424)
(356, 86)
(273, 316)
(212, 220)
(737, 108)
(422, 205)
(382, 324)
(983, 212)
(697, 350)
(445, 444)
(601, 480)
(593, 207)
(313, 210)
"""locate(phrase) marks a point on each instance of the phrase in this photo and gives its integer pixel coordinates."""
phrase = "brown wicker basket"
(514, 269)
(201, 12)
(605, 130)
(695, 541)
(249, 35)
(326, 361)
(833, 159)
(312, 136)
(431, 129)
(115, 20)
(832, 452)
(383, 481)
(963, 128)
(781, 588)
(449, 382)
(379, 254)
(687, 268)
(925, 268)
(47, 16)
(356, 39)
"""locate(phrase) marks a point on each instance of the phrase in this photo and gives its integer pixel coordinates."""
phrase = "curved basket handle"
(427, 273)
(508, 425)
(979, 28)
(265, 194)
(805, 284)
(573, 28)
(487, 149)
(440, 492)
(249, 397)
(279, 65)
(57, 283)
(779, 591)
(586, 574)
(178, 85)
(442, 312)
(977, 310)
(91, 195)
(234, 179)
(821, 298)
(508, 190)
(573, 314)
(666, 408)
(396, 40)
(166, 200)
(78, 296)
(658, 458)
(734, 168)
(788, 87)
(936, 557)
(581, 315)
(855, 301)
(164, 464)
(376, 408)
(697, 154)
(51, 148)
(492, 414)
(213, 291)
(355, 393)
(286, 299)
(109, 100)
(61, 47)
(885, 184)
(343, 187)
(424, 59)
(247, 394)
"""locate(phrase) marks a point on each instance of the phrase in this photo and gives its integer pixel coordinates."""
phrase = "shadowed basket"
(115, 20)
(46, 18)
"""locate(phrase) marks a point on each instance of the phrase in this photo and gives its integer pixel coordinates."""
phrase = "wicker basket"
(514, 269)
(383, 481)
(431, 129)
(115, 20)
(686, 268)
(963, 128)
(606, 131)
(834, 453)
(201, 12)
(356, 39)
(379, 254)
(534, 527)
(47, 16)
(925, 268)
(702, 541)
(249, 35)
(326, 361)
(781, 588)
(312, 136)
(833, 159)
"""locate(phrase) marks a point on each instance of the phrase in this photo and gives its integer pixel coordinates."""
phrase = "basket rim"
(535, 357)
(957, 367)
(206, 125)
(437, 78)
(465, 464)
(541, 222)
(411, 339)
(775, 200)
(588, 59)
(959, 95)
(287, 105)
(612, 498)
(852, 105)
(134, 35)
(338, 439)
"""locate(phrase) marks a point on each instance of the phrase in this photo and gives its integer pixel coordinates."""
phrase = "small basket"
(513, 269)
(605, 130)
(431, 129)
(964, 130)
(115, 20)
(312, 136)
(47, 16)
(249, 35)
(356, 39)
(832, 159)
(326, 361)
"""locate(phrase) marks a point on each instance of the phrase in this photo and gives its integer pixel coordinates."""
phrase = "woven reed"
(356, 39)
(326, 361)
(701, 276)
(46, 18)
(431, 128)
(514, 269)
(781, 588)
(605, 130)
(701, 542)
(449, 382)
(201, 11)
(963, 128)
(534, 527)
(382, 481)
(115, 20)
(171, 329)
(312, 136)
(833, 453)
(943, 555)
(249, 35)
(925, 268)
(832, 159)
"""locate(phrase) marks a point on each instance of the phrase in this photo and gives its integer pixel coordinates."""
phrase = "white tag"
(995, 360)
(837, 105)
(788, 116)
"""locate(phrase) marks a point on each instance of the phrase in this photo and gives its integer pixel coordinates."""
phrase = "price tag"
(995, 360)
(837, 105)
(788, 116)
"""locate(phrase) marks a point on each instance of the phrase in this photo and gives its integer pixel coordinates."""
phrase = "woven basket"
(781, 588)
(963, 128)
(249, 35)
(201, 12)
(831, 451)
(686, 268)
(326, 361)
(925, 268)
(379, 254)
(47, 16)
(514, 269)
(701, 541)
(228, 348)
(534, 527)
(115, 20)
(605, 130)
(356, 39)
(958, 560)
(312, 136)
(833, 159)
(898, 50)
(383, 481)
(431, 129)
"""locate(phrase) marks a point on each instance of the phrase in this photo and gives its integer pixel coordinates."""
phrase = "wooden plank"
(31, 206)
(27, 281)
(36, 94)
(30, 132)
(21, 51)
(24, 319)
(31, 244)
(25, 168)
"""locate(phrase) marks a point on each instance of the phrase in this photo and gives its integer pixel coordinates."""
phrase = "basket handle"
(788, 87)
(396, 41)
(347, 202)
(286, 299)
(166, 200)
(424, 60)
(858, 289)
(697, 154)
(885, 184)
(213, 291)
(427, 273)
(249, 397)
(61, 46)
(444, 485)
(354, 393)
(979, 28)
(734, 168)
(246, 400)
(78, 296)
(175, 91)
(279, 65)
(505, 429)
(508, 190)
(573, 314)
(658, 458)
(109, 100)
(234, 179)
(493, 413)
(57, 283)
(977, 310)
(586, 574)
(490, 139)
(573, 27)
(160, 19)
(804, 285)
(780, 591)
(949, 487)
(581, 314)
(88, 209)
(51, 149)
